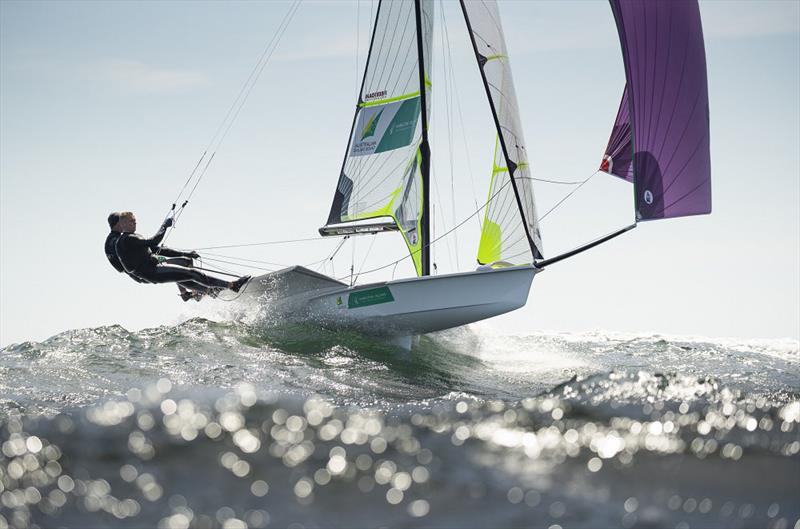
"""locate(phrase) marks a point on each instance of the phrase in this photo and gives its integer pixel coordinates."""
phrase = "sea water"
(220, 424)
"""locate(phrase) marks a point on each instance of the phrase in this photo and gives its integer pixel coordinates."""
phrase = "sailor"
(147, 262)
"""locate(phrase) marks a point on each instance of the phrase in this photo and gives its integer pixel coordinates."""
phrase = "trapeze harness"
(132, 254)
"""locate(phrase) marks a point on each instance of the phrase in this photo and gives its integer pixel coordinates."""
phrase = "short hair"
(115, 217)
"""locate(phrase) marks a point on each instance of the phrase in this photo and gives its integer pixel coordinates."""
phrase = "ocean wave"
(612, 450)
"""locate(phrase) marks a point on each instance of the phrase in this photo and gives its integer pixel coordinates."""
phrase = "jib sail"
(510, 227)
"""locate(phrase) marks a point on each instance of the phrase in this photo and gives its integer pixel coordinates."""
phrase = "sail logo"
(648, 196)
(375, 95)
(385, 127)
(371, 126)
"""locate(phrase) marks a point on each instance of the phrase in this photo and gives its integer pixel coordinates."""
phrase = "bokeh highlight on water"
(221, 424)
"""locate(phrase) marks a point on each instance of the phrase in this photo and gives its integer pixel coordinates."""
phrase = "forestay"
(510, 228)
(660, 139)
(380, 175)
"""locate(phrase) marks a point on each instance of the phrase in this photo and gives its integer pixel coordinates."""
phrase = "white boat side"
(398, 308)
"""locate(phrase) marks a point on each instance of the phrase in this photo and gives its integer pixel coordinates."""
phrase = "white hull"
(396, 310)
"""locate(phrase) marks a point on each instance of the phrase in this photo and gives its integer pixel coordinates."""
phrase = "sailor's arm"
(156, 239)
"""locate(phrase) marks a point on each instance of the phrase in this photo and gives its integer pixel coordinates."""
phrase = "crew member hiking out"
(147, 262)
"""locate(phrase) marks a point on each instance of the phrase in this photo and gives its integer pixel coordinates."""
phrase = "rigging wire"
(546, 181)
(473, 214)
(457, 98)
(279, 34)
(364, 261)
(358, 39)
(264, 243)
(214, 259)
(449, 82)
(567, 196)
(445, 234)
(330, 256)
(353, 276)
(235, 258)
(233, 112)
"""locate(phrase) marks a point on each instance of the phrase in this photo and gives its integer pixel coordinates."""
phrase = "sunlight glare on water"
(110, 428)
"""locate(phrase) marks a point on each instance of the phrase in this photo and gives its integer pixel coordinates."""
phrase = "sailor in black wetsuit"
(147, 262)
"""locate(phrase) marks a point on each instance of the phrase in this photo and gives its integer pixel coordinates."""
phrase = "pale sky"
(108, 106)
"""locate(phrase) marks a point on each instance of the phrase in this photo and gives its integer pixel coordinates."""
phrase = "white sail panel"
(380, 176)
(511, 228)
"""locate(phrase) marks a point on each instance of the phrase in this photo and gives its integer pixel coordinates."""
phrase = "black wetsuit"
(136, 256)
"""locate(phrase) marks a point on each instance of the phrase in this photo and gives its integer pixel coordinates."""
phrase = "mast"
(424, 149)
(509, 163)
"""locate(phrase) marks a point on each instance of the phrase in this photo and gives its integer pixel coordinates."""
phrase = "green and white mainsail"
(382, 172)
(510, 227)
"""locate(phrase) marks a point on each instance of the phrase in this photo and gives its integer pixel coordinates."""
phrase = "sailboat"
(659, 143)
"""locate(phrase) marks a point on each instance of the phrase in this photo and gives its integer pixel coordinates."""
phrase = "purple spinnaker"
(667, 109)
(619, 153)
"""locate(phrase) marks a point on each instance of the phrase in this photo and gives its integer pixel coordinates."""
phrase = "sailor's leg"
(180, 261)
(193, 285)
(167, 273)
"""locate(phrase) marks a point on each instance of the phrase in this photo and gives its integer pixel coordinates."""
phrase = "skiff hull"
(396, 310)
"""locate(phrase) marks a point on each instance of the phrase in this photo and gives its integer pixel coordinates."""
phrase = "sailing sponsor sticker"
(386, 127)
(372, 296)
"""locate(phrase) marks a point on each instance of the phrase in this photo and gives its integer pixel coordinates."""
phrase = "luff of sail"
(619, 152)
(510, 228)
(380, 175)
(663, 120)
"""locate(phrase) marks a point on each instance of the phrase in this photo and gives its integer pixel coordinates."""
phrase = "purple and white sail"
(660, 140)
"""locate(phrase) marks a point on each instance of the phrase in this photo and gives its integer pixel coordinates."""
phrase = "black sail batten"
(334, 230)
(340, 196)
(510, 164)
(425, 152)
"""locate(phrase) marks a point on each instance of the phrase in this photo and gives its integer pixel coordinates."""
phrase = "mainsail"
(660, 140)
(381, 175)
(510, 228)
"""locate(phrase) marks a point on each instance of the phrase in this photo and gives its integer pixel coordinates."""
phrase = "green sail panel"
(385, 127)
(380, 175)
